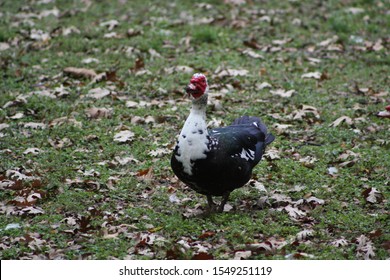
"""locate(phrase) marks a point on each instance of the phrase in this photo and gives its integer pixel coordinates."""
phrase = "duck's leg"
(225, 198)
(211, 203)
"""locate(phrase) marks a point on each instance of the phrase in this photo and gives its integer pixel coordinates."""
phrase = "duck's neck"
(196, 121)
(193, 139)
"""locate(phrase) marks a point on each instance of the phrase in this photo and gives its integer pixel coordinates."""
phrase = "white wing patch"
(247, 154)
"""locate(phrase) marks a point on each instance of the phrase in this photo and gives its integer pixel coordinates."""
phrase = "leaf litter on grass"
(91, 112)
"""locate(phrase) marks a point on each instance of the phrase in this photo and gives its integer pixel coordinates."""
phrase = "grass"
(94, 207)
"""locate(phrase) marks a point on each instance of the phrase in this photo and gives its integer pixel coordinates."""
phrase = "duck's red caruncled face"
(197, 86)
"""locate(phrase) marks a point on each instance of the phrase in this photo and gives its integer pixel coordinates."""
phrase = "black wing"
(245, 138)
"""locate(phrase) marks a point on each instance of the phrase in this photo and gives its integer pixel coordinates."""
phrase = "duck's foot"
(213, 207)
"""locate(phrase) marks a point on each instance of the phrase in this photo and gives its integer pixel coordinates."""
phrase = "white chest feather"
(193, 140)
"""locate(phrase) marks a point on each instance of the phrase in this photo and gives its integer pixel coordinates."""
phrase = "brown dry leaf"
(312, 75)
(308, 161)
(304, 234)
(263, 85)
(365, 248)
(283, 93)
(252, 54)
(31, 210)
(39, 35)
(242, 255)
(60, 143)
(111, 24)
(272, 154)
(80, 72)
(33, 151)
(98, 113)
(34, 125)
(231, 72)
(89, 60)
(252, 43)
(340, 242)
(294, 212)
(113, 35)
(124, 136)
(126, 160)
(282, 128)
(17, 175)
(4, 46)
(98, 93)
(235, 2)
(145, 174)
(354, 10)
(159, 152)
(299, 255)
(65, 120)
(17, 116)
(305, 111)
(341, 120)
(372, 195)
(179, 69)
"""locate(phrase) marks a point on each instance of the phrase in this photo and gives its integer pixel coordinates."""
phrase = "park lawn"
(85, 151)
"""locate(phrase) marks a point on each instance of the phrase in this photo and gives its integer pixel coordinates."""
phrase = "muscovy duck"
(215, 162)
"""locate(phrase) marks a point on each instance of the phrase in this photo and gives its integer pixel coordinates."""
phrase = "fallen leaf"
(312, 75)
(179, 69)
(341, 120)
(263, 85)
(231, 72)
(90, 60)
(299, 255)
(80, 72)
(65, 120)
(4, 46)
(111, 24)
(308, 161)
(12, 226)
(39, 35)
(70, 30)
(126, 160)
(372, 195)
(304, 234)
(340, 242)
(272, 154)
(252, 54)
(332, 171)
(294, 212)
(159, 152)
(98, 93)
(124, 136)
(365, 248)
(98, 113)
(34, 125)
(17, 116)
(257, 185)
(242, 255)
(33, 151)
(306, 112)
(60, 143)
(174, 199)
(283, 93)
(112, 35)
(354, 10)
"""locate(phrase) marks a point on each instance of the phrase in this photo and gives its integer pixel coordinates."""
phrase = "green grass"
(95, 208)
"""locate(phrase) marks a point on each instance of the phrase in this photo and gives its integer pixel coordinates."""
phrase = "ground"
(92, 101)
